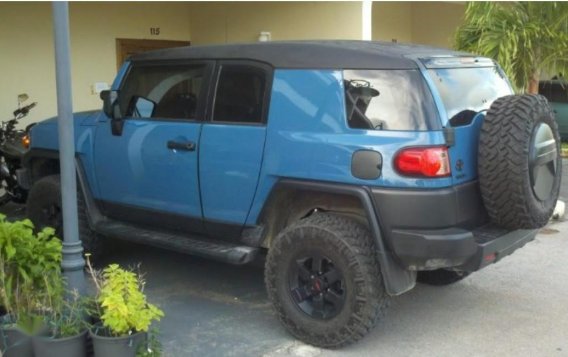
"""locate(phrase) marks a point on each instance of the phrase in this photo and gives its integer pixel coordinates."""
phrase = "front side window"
(164, 91)
(388, 100)
(240, 94)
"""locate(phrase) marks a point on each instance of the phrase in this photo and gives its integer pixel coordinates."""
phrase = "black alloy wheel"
(317, 286)
(324, 281)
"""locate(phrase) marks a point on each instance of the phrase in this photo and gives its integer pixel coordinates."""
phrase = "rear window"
(389, 100)
(469, 90)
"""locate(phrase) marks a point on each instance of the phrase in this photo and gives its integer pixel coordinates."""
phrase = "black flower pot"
(74, 346)
(126, 346)
(14, 342)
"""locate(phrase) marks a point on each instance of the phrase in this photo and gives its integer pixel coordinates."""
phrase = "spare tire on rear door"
(518, 162)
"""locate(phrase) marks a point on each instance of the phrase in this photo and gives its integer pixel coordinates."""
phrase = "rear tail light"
(423, 162)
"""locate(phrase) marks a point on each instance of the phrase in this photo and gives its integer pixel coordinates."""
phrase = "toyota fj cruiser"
(359, 167)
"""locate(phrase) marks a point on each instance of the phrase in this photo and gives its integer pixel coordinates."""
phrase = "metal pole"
(73, 262)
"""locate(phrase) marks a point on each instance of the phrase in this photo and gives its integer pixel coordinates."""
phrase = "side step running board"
(194, 245)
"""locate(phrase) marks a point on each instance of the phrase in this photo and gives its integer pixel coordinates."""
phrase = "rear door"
(466, 92)
(232, 145)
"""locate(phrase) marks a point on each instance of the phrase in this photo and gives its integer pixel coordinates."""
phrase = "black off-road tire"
(349, 246)
(45, 195)
(506, 163)
(441, 277)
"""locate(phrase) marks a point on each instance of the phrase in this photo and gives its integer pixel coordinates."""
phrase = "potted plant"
(29, 272)
(66, 328)
(125, 314)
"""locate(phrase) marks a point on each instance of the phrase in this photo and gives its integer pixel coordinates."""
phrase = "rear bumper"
(443, 228)
(458, 249)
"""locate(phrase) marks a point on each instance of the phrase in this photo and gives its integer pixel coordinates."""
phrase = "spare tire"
(519, 164)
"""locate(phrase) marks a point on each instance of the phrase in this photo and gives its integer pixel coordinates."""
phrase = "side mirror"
(110, 104)
(116, 126)
(112, 110)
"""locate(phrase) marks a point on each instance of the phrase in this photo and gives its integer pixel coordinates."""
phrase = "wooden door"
(127, 47)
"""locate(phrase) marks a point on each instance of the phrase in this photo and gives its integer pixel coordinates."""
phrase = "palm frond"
(526, 38)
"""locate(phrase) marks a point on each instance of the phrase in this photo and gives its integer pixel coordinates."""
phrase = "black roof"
(308, 54)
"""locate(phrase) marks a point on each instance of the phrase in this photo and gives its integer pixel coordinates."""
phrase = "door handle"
(184, 145)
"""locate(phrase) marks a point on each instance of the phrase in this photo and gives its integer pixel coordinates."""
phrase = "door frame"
(154, 44)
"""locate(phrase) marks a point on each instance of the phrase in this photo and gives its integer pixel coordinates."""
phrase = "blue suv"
(357, 168)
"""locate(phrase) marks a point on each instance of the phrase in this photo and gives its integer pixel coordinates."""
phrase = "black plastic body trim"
(151, 219)
(39, 153)
(443, 228)
(397, 280)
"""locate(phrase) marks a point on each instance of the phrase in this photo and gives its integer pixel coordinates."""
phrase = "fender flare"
(396, 279)
(94, 214)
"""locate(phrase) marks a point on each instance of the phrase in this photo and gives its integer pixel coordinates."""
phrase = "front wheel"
(44, 209)
(323, 279)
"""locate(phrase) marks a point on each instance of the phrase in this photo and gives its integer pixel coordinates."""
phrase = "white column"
(367, 20)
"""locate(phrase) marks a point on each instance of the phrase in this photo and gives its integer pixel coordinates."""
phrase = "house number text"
(154, 31)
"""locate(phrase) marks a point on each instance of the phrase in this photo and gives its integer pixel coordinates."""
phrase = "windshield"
(466, 90)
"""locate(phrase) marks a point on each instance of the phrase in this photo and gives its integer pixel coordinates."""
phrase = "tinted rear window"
(470, 90)
(389, 100)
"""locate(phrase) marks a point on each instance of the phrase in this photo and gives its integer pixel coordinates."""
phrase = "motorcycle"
(13, 145)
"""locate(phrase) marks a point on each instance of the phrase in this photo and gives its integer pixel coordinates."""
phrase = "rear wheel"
(324, 282)
(44, 209)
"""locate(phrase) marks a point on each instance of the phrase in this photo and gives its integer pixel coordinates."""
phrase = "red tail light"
(423, 162)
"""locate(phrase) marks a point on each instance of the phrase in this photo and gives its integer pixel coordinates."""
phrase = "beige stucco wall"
(392, 21)
(27, 55)
(243, 21)
(26, 35)
(434, 23)
(428, 23)
(26, 38)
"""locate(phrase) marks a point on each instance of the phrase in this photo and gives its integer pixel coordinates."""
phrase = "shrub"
(124, 308)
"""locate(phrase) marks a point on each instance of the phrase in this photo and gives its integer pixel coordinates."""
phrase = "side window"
(388, 100)
(240, 94)
(164, 91)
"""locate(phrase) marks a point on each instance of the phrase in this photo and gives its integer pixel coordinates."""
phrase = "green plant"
(30, 271)
(526, 38)
(66, 317)
(123, 304)
(152, 347)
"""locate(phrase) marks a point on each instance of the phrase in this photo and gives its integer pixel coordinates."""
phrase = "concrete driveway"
(517, 307)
